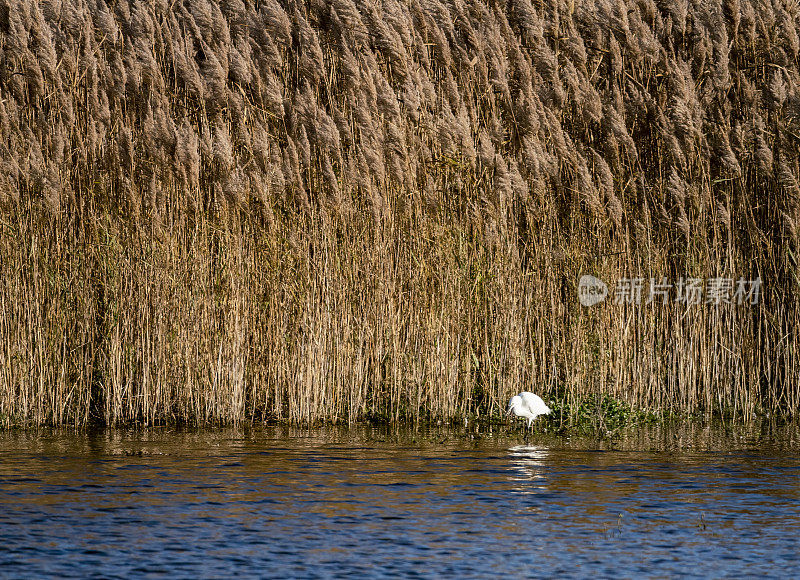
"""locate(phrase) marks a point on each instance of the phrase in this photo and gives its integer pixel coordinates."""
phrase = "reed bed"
(301, 211)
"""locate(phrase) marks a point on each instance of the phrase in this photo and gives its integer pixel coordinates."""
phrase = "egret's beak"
(508, 411)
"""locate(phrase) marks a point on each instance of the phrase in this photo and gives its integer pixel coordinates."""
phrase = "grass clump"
(597, 413)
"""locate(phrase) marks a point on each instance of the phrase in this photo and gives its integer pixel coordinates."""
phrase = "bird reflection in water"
(528, 461)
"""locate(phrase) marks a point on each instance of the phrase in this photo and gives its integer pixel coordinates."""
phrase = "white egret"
(527, 405)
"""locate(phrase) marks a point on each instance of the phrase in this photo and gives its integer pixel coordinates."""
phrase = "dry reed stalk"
(167, 253)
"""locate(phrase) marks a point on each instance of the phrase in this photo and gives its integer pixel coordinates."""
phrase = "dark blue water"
(303, 504)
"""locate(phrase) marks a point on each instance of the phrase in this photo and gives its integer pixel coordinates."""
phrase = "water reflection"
(367, 501)
(529, 465)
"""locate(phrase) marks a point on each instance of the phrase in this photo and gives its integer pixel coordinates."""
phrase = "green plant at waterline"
(596, 413)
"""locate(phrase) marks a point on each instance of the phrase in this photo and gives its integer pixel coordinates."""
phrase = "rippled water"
(299, 503)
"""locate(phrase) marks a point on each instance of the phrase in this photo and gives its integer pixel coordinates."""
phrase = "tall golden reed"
(300, 210)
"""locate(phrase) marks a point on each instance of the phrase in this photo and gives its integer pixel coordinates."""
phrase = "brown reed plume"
(302, 211)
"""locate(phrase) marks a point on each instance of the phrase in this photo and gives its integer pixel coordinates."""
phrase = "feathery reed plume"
(302, 211)
(312, 61)
(763, 153)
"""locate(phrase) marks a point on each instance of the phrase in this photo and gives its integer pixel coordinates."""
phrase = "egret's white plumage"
(527, 405)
